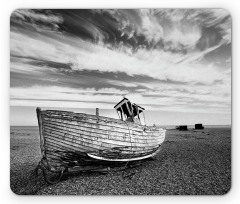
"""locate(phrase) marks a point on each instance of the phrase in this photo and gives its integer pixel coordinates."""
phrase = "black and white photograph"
(120, 101)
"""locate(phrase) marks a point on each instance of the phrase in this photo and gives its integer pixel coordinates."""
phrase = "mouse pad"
(120, 101)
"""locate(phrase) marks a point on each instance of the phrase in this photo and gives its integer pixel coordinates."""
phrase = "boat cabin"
(128, 111)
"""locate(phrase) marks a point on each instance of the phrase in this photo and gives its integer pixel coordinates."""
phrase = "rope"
(130, 139)
(129, 136)
(48, 179)
(44, 168)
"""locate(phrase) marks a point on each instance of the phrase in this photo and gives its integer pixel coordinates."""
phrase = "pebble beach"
(193, 162)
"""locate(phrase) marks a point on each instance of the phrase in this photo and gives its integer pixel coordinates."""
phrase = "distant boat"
(181, 127)
(67, 137)
(199, 126)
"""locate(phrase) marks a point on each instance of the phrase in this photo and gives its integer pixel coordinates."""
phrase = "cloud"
(106, 98)
(92, 58)
(36, 19)
(150, 27)
(220, 20)
(56, 96)
(173, 29)
(156, 63)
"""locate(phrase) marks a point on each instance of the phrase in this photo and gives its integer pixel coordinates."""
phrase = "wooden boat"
(68, 137)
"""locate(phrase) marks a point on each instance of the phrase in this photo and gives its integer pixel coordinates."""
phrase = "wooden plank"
(67, 144)
(87, 124)
(80, 144)
(56, 147)
(94, 132)
(102, 134)
(52, 147)
(122, 160)
(93, 144)
(54, 155)
(39, 117)
(94, 124)
(76, 116)
(60, 158)
(93, 119)
(61, 151)
(76, 137)
(101, 129)
(92, 137)
(92, 147)
(90, 129)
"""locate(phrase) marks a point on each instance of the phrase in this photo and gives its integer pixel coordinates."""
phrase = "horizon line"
(156, 125)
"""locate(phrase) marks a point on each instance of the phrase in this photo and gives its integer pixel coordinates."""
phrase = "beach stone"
(185, 166)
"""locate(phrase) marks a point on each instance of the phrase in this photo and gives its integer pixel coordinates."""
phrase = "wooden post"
(122, 113)
(118, 114)
(138, 114)
(39, 117)
(97, 112)
(130, 112)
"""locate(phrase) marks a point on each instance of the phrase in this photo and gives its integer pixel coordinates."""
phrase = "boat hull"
(101, 138)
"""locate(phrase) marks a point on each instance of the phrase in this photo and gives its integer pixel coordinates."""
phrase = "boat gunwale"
(98, 118)
(68, 121)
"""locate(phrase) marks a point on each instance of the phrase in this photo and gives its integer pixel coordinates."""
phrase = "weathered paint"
(100, 137)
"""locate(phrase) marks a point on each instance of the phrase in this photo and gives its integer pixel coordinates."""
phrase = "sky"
(176, 63)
